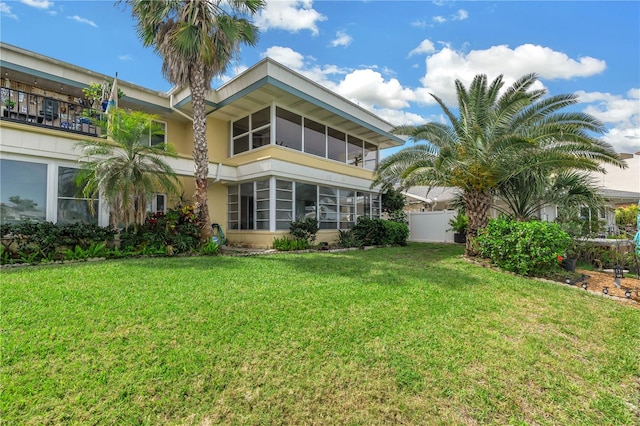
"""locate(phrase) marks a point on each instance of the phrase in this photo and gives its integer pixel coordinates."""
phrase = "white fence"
(431, 226)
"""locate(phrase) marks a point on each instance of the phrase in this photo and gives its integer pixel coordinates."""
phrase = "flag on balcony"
(113, 96)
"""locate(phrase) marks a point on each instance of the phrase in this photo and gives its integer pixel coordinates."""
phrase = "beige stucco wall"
(264, 239)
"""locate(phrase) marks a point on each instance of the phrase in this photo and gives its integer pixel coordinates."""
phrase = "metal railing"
(42, 111)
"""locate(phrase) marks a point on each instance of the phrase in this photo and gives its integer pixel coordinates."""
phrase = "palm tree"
(196, 40)
(485, 145)
(528, 192)
(125, 170)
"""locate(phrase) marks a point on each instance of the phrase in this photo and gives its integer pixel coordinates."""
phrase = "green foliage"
(392, 200)
(305, 229)
(36, 241)
(173, 232)
(526, 248)
(125, 170)
(459, 223)
(210, 248)
(627, 219)
(374, 232)
(399, 216)
(604, 256)
(396, 232)
(287, 244)
(348, 239)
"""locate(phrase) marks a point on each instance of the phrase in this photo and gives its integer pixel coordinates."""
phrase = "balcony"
(70, 115)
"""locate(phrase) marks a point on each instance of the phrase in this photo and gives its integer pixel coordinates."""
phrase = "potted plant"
(9, 104)
(459, 224)
(570, 258)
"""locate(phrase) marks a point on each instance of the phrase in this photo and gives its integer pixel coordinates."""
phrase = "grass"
(408, 335)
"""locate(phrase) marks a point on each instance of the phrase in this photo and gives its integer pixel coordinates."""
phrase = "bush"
(526, 248)
(305, 229)
(286, 244)
(173, 232)
(376, 232)
(28, 242)
(348, 239)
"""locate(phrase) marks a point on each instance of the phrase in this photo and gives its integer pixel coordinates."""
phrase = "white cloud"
(286, 56)
(5, 10)
(289, 15)
(425, 47)
(39, 4)
(461, 15)
(447, 65)
(125, 57)
(419, 24)
(368, 88)
(83, 20)
(342, 39)
(621, 115)
(439, 19)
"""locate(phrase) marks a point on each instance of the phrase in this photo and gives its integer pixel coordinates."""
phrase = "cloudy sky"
(387, 56)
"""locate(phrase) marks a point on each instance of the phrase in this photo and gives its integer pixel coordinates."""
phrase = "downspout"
(177, 110)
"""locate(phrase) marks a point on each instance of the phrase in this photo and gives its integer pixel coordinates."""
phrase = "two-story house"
(281, 147)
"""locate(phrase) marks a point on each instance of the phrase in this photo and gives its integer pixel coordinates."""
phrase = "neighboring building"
(281, 147)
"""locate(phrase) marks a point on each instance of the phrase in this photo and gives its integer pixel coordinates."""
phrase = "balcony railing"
(42, 111)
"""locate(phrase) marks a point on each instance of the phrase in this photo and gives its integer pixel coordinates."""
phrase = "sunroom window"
(72, 206)
(23, 191)
(252, 131)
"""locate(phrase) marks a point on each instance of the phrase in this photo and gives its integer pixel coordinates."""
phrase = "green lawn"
(408, 335)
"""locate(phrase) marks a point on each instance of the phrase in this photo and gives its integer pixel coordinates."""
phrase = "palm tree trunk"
(478, 205)
(200, 151)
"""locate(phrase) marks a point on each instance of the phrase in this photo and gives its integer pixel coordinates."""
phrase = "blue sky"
(387, 56)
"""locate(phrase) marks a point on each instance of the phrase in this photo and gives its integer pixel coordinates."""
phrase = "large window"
(251, 132)
(248, 205)
(262, 204)
(251, 206)
(336, 145)
(288, 129)
(315, 140)
(354, 151)
(370, 156)
(347, 208)
(306, 201)
(301, 134)
(284, 204)
(156, 137)
(72, 206)
(23, 191)
(328, 214)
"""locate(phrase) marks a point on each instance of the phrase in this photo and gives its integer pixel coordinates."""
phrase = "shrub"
(397, 232)
(173, 232)
(526, 248)
(305, 229)
(348, 239)
(374, 232)
(286, 244)
(36, 241)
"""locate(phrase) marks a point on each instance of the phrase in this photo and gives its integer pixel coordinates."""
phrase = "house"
(281, 147)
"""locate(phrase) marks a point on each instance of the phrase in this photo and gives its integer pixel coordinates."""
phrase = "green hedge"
(526, 248)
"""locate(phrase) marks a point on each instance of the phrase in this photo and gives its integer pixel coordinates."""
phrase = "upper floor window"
(299, 133)
(252, 131)
(157, 135)
(288, 129)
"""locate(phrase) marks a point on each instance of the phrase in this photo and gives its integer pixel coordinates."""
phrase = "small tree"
(125, 170)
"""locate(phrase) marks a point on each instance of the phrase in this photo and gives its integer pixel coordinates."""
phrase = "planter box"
(460, 237)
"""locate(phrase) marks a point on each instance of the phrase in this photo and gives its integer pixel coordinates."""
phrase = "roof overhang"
(269, 81)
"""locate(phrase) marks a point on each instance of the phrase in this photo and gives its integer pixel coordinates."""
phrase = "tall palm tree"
(486, 143)
(196, 40)
(126, 170)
